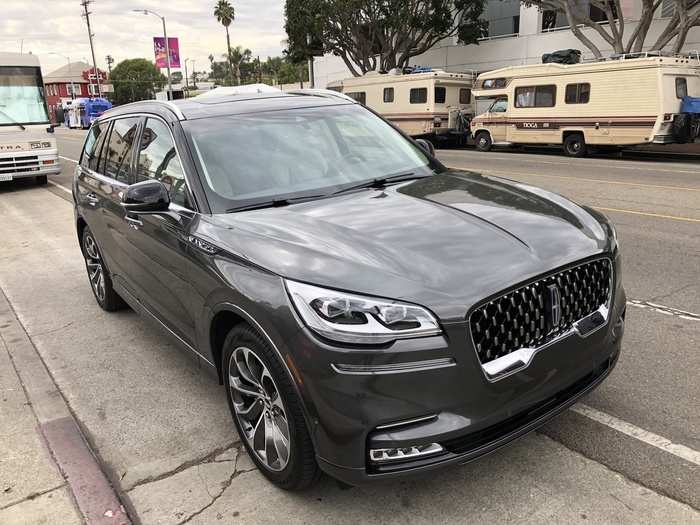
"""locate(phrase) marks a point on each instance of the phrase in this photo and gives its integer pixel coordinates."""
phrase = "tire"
(100, 280)
(575, 145)
(483, 141)
(254, 366)
(41, 180)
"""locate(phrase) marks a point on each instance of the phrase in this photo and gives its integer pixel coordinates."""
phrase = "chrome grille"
(19, 164)
(522, 318)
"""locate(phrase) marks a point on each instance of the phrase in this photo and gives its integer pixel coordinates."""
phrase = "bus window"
(681, 87)
(465, 96)
(359, 96)
(388, 95)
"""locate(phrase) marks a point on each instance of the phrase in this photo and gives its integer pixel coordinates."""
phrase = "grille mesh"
(519, 318)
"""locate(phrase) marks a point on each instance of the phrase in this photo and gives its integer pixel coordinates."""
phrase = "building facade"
(74, 80)
(518, 35)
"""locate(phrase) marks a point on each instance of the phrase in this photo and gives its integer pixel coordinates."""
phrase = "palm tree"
(225, 14)
(238, 56)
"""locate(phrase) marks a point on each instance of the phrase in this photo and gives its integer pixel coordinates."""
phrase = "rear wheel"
(575, 145)
(100, 280)
(41, 180)
(267, 411)
(483, 141)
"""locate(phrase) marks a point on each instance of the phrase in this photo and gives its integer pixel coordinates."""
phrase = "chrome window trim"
(521, 358)
(177, 152)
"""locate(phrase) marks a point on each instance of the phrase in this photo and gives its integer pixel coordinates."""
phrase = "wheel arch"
(572, 131)
(228, 315)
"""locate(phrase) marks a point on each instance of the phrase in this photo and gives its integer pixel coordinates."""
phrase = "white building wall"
(527, 48)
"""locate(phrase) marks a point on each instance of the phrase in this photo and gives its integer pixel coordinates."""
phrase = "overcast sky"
(56, 25)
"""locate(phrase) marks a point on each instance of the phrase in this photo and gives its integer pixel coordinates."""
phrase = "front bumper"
(357, 399)
(30, 164)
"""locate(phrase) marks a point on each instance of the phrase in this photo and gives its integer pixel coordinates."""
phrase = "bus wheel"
(483, 141)
(575, 145)
(41, 180)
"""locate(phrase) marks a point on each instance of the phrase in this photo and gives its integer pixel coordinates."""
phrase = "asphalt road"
(640, 430)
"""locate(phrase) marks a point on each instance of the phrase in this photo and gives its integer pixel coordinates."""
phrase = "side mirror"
(146, 196)
(427, 146)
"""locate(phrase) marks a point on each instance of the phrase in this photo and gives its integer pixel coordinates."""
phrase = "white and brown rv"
(616, 102)
(430, 104)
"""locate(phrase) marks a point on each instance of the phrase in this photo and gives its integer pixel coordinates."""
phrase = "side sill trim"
(396, 368)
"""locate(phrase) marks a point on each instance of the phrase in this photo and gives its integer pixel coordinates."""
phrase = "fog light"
(384, 455)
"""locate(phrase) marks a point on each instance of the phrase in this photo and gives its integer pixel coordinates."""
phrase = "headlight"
(350, 318)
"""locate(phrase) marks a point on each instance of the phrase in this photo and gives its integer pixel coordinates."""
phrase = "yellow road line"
(617, 182)
(647, 214)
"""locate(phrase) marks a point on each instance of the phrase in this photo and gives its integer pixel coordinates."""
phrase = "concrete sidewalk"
(163, 435)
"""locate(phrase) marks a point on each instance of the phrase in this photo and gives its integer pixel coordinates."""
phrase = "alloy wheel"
(95, 267)
(259, 409)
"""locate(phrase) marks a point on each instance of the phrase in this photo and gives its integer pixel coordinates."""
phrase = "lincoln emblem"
(554, 305)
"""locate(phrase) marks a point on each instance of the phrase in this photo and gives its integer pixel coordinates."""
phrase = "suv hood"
(446, 242)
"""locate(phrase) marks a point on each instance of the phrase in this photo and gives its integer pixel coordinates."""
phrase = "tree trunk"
(228, 53)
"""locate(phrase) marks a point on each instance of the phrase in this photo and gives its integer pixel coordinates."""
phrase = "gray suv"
(370, 313)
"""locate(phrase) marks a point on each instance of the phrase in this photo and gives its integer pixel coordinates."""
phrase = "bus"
(27, 144)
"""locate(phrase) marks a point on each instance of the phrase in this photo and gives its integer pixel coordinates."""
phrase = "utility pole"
(86, 15)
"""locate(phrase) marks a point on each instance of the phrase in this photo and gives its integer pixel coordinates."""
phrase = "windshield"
(22, 96)
(282, 154)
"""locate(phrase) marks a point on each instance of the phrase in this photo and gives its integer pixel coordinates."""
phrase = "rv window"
(681, 87)
(388, 95)
(465, 96)
(440, 94)
(360, 96)
(494, 83)
(578, 93)
(535, 96)
(418, 95)
(499, 106)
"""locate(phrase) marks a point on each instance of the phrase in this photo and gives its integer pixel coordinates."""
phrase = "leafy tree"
(281, 70)
(687, 15)
(225, 14)
(384, 33)
(239, 59)
(135, 79)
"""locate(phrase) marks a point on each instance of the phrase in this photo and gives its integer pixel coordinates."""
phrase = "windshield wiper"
(380, 182)
(13, 120)
(275, 203)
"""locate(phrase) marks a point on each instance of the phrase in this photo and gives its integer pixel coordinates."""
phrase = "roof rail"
(649, 54)
(326, 93)
(167, 103)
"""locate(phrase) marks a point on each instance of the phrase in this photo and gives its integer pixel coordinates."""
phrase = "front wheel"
(267, 411)
(575, 145)
(483, 141)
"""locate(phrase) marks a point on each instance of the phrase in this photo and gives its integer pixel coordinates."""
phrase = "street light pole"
(186, 88)
(167, 46)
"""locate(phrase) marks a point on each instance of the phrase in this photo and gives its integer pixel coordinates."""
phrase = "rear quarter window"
(93, 143)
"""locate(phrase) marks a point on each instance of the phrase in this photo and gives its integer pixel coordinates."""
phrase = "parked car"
(370, 312)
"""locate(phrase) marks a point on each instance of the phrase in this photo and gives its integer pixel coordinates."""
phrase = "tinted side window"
(94, 141)
(681, 87)
(577, 93)
(440, 93)
(388, 94)
(119, 148)
(158, 160)
(465, 96)
(418, 95)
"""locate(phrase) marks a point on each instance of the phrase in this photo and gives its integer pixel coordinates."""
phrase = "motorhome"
(27, 144)
(616, 102)
(427, 103)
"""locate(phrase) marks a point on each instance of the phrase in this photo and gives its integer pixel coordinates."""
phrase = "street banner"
(159, 48)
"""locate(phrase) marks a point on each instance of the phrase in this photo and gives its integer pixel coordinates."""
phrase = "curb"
(92, 492)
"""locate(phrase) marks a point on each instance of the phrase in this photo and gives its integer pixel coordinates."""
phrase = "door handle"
(92, 199)
(133, 222)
